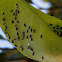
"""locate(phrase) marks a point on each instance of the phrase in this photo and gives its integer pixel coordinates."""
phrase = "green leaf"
(34, 33)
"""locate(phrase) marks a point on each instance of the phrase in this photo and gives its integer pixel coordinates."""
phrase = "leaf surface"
(34, 33)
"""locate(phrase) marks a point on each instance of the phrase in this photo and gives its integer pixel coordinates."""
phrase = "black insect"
(50, 24)
(40, 36)
(25, 25)
(12, 21)
(33, 53)
(3, 19)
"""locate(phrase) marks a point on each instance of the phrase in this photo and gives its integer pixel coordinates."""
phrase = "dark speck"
(54, 30)
(23, 33)
(17, 4)
(6, 27)
(17, 21)
(27, 36)
(3, 13)
(50, 24)
(42, 57)
(29, 27)
(6, 32)
(40, 36)
(61, 28)
(57, 25)
(12, 21)
(33, 53)
(25, 25)
(30, 36)
(11, 10)
(31, 49)
(12, 41)
(15, 25)
(53, 27)
(13, 14)
(18, 11)
(27, 31)
(15, 18)
(15, 45)
(9, 37)
(31, 39)
(16, 28)
(3, 19)
(3, 23)
(21, 46)
(34, 31)
(17, 33)
(22, 49)
(18, 37)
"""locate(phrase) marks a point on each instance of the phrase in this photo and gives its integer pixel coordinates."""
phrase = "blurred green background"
(54, 8)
